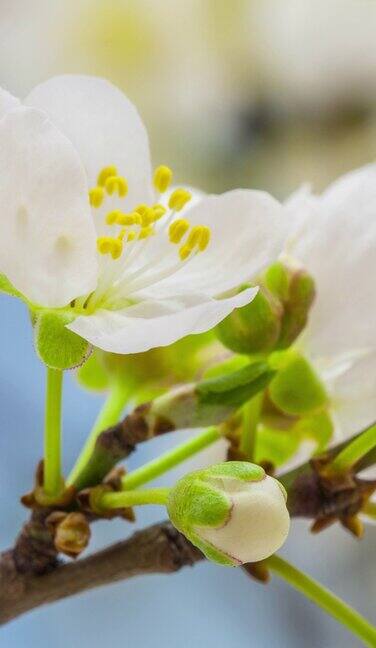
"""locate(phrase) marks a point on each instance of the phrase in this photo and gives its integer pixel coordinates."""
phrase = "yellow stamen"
(107, 172)
(194, 236)
(109, 245)
(112, 217)
(162, 178)
(145, 232)
(128, 219)
(121, 234)
(104, 244)
(159, 211)
(179, 199)
(131, 236)
(141, 209)
(148, 217)
(184, 252)
(116, 183)
(96, 195)
(204, 239)
(117, 248)
(178, 229)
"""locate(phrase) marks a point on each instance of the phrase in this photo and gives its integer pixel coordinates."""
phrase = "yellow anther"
(116, 248)
(141, 209)
(177, 230)
(184, 252)
(204, 238)
(131, 236)
(179, 199)
(159, 211)
(121, 234)
(128, 219)
(194, 236)
(107, 172)
(96, 195)
(145, 232)
(116, 183)
(112, 217)
(162, 178)
(109, 245)
(147, 217)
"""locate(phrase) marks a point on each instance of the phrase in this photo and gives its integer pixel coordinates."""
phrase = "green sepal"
(194, 502)
(231, 364)
(9, 289)
(254, 328)
(295, 389)
(241, 470)
(55, 345)
(233, 389)
(210, 552)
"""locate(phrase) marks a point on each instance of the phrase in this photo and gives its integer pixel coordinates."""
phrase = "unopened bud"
(254, 328)
(71, 532)
(295, 289)
(296, 389)
(233, 512)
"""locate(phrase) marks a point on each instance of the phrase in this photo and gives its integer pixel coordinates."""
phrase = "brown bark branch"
(159, 549)
(31, 575)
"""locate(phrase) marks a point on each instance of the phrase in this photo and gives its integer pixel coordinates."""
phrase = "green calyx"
(56, 346)
(8, 288)
(199, 500)
(296, 389)
(254, 328)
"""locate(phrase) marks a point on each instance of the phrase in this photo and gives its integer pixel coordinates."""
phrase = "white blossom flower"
(334, 237)
(85, 228)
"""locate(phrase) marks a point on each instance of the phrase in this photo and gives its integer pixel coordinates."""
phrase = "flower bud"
(295, 289)
(233, 512)
(296, 389)
(254, 328)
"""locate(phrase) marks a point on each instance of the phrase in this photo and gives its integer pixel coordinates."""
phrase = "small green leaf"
(235, 388)
(55, 345)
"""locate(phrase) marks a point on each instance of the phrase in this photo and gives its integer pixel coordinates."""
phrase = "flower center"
(129, 233)
(141, 221)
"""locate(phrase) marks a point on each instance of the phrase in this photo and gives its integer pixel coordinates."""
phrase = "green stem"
(251, 414)
(52, 474)
(169, 459)
(108, 416)
(317, 593)
(354, 451)
(124, 499)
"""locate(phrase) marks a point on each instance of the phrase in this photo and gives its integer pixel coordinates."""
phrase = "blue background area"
(205, 606)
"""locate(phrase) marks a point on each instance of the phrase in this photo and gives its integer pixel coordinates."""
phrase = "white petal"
(247, 233)
(258, 525)
(353, 395)
(151, 324)
(47, 246)
(7, 102)
(103, 125)
(339, 250)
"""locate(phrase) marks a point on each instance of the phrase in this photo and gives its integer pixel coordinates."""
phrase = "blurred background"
(263, 94)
